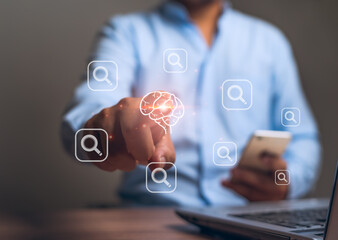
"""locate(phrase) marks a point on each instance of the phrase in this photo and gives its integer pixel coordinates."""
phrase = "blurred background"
(44, 45)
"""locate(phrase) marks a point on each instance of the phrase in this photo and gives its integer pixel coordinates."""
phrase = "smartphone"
(272, 142)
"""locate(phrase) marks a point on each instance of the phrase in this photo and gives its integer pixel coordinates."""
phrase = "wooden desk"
(117, 224)
(102, 224)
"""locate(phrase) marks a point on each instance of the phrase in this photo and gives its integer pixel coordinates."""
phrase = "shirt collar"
(177, 12)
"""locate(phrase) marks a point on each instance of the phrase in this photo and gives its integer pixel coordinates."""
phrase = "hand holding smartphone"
(261, 142)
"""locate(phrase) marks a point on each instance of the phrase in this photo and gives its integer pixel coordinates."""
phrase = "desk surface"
(106, 224)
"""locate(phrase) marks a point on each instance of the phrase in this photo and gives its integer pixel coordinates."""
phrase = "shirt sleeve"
(113, 43)
(303, 153)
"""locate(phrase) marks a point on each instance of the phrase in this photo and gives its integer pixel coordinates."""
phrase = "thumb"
(164, 152)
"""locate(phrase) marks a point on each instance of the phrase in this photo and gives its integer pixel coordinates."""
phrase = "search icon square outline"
(94, 148)
(92, 74)
(295, 114)
(224, 145)
(235, 83)
(286, 178)
(163, 181)
(173, 52)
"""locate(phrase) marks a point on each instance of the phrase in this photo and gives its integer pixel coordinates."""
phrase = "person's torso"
(240, 50)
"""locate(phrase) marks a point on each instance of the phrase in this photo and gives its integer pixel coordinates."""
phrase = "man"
(221, 44)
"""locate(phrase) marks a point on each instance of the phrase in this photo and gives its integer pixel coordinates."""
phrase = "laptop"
(315, 219)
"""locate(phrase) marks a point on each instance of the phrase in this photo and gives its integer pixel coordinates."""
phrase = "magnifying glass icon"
(223, 153)
(239, 96)
(174, 59)
(282, 177)
(290, 116)
(164, 178)
(101, 78)
(94, 147)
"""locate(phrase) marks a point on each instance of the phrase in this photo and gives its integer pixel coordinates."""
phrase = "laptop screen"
(332, 223)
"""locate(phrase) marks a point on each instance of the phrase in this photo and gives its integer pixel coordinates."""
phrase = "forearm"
(84, 105)
(303, 159)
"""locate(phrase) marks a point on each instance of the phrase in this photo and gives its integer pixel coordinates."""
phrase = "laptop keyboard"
(291, 219)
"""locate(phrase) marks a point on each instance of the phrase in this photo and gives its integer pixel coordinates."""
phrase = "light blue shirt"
(244, 48)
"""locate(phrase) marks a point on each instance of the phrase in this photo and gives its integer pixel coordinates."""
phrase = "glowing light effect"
(162, 107)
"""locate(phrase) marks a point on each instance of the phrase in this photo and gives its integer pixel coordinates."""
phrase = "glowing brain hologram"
(162, 107)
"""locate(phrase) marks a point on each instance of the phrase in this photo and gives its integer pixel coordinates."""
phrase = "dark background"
(44, 45)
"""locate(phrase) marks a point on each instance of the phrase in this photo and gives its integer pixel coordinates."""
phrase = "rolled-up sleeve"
(114, 43)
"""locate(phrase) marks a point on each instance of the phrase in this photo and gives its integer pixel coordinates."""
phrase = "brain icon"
(162, 107)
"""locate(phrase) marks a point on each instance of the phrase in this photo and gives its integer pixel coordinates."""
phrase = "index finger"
(136, 130)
